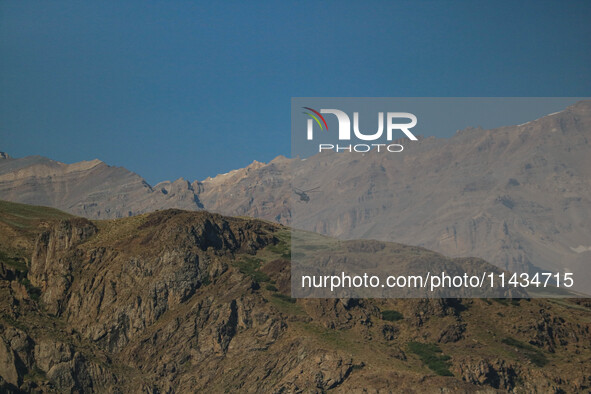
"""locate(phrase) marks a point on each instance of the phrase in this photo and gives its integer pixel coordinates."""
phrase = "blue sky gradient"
(193, 89)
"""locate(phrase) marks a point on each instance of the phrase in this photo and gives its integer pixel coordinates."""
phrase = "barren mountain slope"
(89, 188)
(177, 301)
(515, 196)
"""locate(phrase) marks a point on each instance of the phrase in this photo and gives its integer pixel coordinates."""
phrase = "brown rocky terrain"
(176, 301)
(517, 196)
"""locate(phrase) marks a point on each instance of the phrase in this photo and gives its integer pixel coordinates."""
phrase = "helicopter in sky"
(304, 193)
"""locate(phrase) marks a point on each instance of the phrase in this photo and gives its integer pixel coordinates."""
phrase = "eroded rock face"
(174, 302)
(70, 370)
(55, 258)
(56, 362)
(110, 294)
(9, 365)
(495, 373)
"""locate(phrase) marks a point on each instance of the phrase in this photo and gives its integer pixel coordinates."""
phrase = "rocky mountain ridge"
(177, 301)
(89, 188)
(517, 196)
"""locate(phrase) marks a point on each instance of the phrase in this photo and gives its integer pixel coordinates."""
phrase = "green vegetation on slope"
(531, 353)
(19, 226)
(430, 354)
(251, 266)
(390, 315)
(27, 216)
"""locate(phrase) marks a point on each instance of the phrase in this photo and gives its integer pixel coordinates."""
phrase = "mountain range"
(517, 196)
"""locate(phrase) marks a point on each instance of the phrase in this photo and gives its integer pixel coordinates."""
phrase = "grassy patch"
(284, 298)
(271, 287)
(431, 355)
(391, 315)
(24, 215)
(508, 301)
(531, 353)
(502, 301)
(21, 270)
(206, 280)
(17, 263)
(250, 266)
(334, 338)
(286, 304)
(282, 249)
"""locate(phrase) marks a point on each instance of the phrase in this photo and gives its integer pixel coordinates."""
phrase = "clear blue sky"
(192, 89)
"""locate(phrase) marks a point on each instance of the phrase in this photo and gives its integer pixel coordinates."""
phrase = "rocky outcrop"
(26, 365)
(51, 268)
(494, 373)
(10, 368)
(101, 291)
(178, 301)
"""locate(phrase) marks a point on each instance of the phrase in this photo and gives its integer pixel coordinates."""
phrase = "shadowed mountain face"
(177, 301)
(517, 196)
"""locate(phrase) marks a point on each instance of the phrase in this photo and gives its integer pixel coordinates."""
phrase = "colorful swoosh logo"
(316, 117)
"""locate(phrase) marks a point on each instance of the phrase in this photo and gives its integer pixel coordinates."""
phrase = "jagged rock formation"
(178, 302)
(259, 190)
